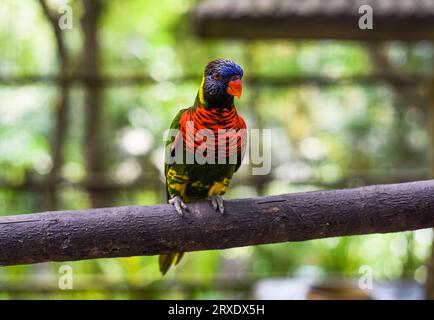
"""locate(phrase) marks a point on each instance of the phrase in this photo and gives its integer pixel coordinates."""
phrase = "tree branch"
(151, 230)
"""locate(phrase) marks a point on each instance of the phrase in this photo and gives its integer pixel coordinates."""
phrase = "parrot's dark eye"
(217, 76)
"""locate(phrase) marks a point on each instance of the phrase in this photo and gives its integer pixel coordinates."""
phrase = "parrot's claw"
(217, 203)
(179, 205)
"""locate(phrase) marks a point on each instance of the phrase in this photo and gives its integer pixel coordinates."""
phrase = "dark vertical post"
(429, 286)
(61, 109)
(94, 144)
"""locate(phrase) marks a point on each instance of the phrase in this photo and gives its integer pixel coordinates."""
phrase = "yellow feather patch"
(178, 187)
(176, 181)
(219, 188)
(198, 184)
(201, 96)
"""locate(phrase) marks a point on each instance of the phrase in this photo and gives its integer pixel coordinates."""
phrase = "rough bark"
(151, 230)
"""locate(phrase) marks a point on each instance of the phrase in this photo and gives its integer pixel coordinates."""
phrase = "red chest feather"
(222, 130)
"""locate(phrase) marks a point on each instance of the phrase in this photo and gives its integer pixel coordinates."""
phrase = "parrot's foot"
(217, 203)
(179, 205)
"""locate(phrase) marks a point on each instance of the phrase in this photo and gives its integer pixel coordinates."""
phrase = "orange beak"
(235, 88)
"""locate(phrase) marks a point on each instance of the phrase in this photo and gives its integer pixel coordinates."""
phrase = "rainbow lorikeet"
(213, 112)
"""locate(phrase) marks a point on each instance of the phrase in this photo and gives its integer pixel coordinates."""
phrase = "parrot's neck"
(224, 102)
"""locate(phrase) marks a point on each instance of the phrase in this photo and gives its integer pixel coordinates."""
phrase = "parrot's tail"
(167, 260)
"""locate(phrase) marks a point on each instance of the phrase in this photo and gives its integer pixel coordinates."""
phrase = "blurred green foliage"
(322, 136)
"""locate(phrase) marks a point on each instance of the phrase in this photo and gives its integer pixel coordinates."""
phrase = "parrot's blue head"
(222, 82)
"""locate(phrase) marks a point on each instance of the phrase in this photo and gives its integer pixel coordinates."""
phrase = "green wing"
(169, 144)
(167, 260)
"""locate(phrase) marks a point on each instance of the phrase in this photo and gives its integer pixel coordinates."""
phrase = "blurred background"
(83, 109)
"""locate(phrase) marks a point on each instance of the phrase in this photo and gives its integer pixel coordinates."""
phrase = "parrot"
(213, 111)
